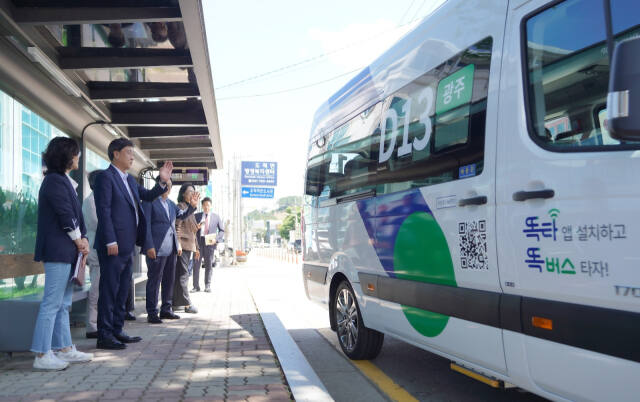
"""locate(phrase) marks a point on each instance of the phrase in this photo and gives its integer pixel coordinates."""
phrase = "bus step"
(477, 376)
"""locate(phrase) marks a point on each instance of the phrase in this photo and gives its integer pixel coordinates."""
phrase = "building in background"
(24, 136)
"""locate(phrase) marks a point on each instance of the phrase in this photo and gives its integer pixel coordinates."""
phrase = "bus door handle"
(478, 200)
(531, 195)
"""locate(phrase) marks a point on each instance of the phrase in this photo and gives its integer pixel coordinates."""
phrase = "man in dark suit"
(161, 246)
(121, 226)
(210, 226)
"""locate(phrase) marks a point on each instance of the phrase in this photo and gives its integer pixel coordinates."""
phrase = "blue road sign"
(257, 192)
(259, 173)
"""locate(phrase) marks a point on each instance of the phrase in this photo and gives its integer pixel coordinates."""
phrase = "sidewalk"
(220, 354)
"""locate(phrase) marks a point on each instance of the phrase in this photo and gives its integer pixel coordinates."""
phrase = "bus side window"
(434, 127)
(567, 72)
(349, 164)
(432, 131)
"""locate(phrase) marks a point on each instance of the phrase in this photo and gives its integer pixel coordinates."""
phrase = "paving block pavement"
(220, 354)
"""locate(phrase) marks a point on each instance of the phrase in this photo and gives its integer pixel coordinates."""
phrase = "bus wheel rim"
(347, 319)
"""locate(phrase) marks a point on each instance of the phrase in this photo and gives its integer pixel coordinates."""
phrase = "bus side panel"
(353, 252)
(314, 270)
(472, 342)
(427, 241)
(534, 365)
(570, 255)
(340, 245)
(583, 373)
(408, 235)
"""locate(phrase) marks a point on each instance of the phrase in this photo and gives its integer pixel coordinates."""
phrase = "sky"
(275, 62)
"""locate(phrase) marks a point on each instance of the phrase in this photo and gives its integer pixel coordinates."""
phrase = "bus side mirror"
(623, 100)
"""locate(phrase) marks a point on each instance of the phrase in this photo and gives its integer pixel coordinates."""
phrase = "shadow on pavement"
(213, 355)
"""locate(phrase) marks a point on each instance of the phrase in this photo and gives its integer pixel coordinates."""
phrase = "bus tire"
(357, 341)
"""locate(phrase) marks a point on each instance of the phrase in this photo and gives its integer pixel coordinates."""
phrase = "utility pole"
(236, 222)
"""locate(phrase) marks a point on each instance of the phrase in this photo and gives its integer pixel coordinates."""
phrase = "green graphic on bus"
(421, 254)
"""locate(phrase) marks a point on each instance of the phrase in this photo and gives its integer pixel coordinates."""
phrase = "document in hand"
(78, 270)
(210, 239)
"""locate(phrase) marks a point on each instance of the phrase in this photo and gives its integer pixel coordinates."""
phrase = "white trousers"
(92, 300)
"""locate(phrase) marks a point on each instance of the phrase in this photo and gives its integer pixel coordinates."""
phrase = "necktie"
(133, 200)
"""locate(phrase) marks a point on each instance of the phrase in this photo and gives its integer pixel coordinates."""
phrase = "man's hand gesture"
(165, 171)
(195, 197)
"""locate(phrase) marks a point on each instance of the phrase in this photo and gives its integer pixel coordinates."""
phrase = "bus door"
(568, 205)
(435, 203)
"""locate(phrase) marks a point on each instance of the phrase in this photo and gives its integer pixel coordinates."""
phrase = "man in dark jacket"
(161, 246)
(121, 226)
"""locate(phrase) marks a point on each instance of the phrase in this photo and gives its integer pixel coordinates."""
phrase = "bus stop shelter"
(96, 70)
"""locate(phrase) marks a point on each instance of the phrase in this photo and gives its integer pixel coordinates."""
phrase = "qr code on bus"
(473, 245)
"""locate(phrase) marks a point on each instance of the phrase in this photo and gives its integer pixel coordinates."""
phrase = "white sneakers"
(49, 361)
(60, 360)
(74, 356)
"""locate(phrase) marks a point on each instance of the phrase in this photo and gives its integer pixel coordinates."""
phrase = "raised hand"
(165, 171)
(195, 197)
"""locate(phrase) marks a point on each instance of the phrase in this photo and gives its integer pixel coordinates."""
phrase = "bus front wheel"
(357, 341)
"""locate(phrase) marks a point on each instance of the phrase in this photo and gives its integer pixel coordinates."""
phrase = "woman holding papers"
(60, 241)
(187, 245)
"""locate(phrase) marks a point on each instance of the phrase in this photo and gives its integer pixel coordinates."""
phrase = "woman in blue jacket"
(61, 237)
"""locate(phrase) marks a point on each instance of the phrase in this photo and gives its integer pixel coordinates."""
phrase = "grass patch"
(13, 293)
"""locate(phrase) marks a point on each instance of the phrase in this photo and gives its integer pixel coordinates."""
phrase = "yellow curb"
(383, 381)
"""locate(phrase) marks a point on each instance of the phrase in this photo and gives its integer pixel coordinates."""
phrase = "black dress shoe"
(207, 289)
(110, 344)
(154, 319)
(169, 315)
(129, 317)
(92, 335)
(124, 338)
(194, 290)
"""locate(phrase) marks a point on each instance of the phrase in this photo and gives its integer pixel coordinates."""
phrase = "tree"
(289, 201)
(258, 215)
(260, 234)
(289, 223)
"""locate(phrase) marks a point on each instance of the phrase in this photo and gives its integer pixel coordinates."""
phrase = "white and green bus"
(464, 194)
